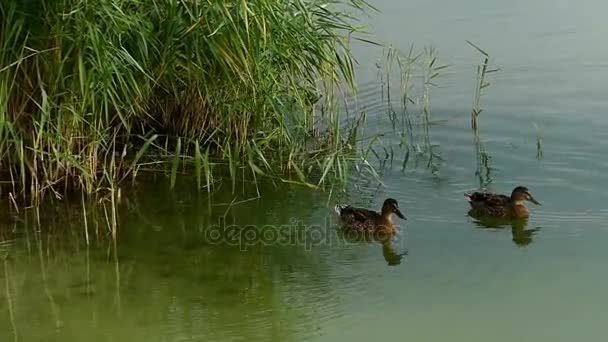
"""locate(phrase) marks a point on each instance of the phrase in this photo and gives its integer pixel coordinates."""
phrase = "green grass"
(94, 92)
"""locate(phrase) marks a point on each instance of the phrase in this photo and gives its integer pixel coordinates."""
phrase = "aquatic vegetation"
(539, 142)
(411, 115)
(480, 85)
(483, 159)
(92, 93)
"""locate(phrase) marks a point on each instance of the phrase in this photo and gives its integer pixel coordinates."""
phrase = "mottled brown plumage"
(496, 205)
(364, 220)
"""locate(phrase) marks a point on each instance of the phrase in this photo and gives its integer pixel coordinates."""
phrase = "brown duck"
(369, 221)
(495, 205)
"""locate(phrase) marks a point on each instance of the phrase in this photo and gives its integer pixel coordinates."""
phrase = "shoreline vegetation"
(93, 93)
(96, 94)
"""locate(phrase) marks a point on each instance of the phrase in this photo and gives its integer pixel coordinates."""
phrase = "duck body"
(369, 221)
(495, 205)
(488, 204)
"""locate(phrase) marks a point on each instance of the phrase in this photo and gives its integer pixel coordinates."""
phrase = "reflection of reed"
(484, 163)
(9, 299)
(43, 274)
(117, 300)
(213, 289)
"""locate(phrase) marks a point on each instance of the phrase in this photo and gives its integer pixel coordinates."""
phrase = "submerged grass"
(93, 92)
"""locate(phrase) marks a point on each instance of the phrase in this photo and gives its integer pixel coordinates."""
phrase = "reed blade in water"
(482, 71)
(539, 142)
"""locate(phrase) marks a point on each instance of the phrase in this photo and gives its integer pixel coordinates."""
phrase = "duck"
(369, 221)
(488, 204)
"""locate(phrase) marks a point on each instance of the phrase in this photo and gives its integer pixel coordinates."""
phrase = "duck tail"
(339, 207)
(468, 197)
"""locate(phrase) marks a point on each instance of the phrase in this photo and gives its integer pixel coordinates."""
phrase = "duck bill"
(399, 214)
(533, 200)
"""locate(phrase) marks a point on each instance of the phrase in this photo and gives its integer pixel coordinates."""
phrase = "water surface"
(168, 279)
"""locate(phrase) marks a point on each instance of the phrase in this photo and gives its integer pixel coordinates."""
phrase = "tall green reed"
(94, 91)
(418, 73)
(481, 83)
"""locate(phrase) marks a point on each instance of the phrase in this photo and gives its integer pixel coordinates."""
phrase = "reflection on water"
(484, 162)
(169, 275)
(58, 288)
(521, 234)
(390, 252)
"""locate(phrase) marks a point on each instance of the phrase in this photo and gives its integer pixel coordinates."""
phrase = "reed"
(417, 74)
(539, 142)
(92, 92)
(481, 83)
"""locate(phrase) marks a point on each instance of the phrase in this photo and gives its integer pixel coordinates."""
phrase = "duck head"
(521, 194)
(391, 206)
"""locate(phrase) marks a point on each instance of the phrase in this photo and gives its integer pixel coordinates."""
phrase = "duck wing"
(487, 199)
(352, 214)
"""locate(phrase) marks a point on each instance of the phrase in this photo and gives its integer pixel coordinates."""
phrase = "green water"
(169, 279)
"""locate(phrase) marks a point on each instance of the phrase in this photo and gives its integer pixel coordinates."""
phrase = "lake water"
(169, 279)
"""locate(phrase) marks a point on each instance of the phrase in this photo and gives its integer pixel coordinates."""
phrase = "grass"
(93, 93)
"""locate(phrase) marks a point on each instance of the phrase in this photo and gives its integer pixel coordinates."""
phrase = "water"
(168, 280)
